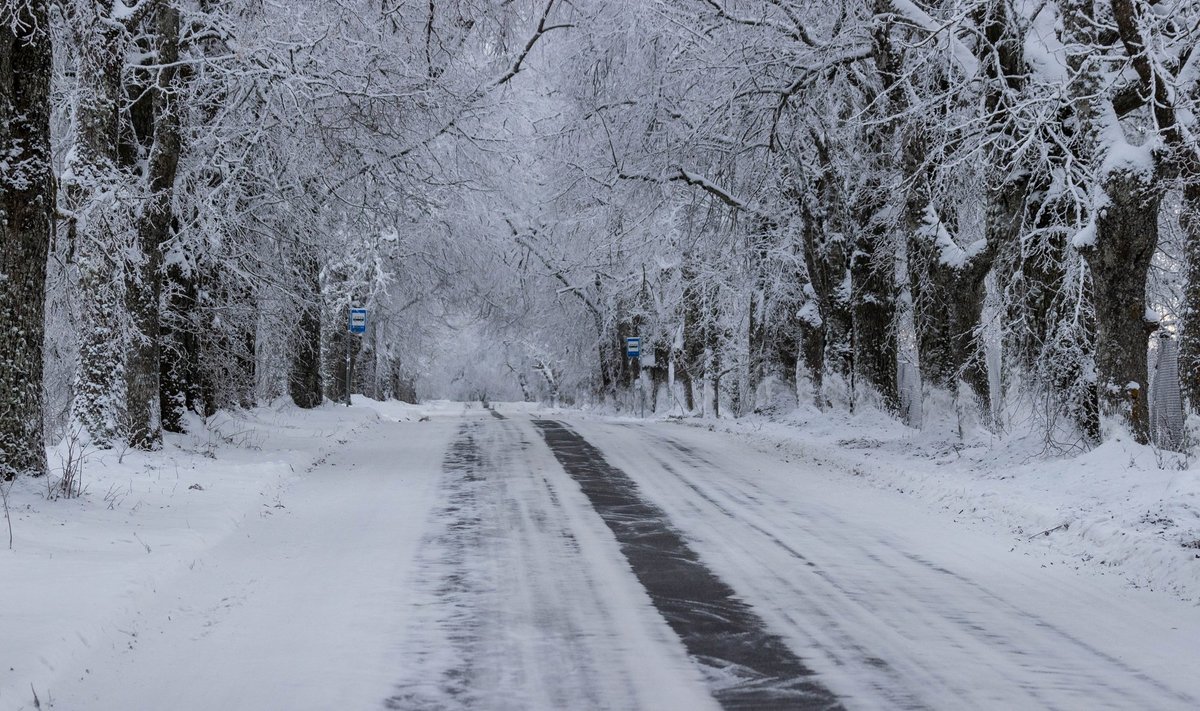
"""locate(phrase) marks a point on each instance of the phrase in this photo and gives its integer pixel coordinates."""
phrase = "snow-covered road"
(480, 561)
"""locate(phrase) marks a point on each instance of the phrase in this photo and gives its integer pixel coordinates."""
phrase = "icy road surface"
(481, 561)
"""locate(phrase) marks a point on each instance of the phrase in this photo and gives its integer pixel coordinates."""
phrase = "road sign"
(633, 347)
(358, 320)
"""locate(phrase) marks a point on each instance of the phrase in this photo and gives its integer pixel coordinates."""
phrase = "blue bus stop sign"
(358, 321)
(633, 347)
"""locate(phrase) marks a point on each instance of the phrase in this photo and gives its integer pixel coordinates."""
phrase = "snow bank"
(79, 567)
(1122, 508)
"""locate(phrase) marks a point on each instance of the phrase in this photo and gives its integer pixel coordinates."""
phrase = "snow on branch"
(556, 272)
(542, 29)
(950, 253)
(682, 175)
(959, 52)
(797, 32)
(471, 101)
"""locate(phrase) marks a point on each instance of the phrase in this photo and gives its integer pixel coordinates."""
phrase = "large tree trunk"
(93, 183)
(340, 348)
(304, 378)
(947, 286)
(1125, 240)
(873, 300)
(690, 359)
(143, 280)
(27, 206)
(827, 333)
(1189, 341)
(179, 355)
(874, 340)
(1124, 222)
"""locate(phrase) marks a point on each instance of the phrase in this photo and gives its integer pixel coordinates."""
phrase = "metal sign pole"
(642, 388)
(633, 351)
(349, 338)
(356, 325)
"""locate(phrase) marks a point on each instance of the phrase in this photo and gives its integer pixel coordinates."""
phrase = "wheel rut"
(747, 666)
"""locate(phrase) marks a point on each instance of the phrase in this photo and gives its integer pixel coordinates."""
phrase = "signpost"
(356, 325)
(633, 349)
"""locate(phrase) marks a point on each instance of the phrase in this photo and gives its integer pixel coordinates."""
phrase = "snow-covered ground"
(1121, 509)
(84, 573)
(441, 557)
(896, 604)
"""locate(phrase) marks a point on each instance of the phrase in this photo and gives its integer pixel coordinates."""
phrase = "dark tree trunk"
(658, 374)
(873, 300)
(827, 338)
(874, 344)
(94, 169)
(787, 349)
(179, 361)
(690, 358)
(339, 344)
(1189, 341)
(304, 378)
(948, 297)
(1126, 237)
(27, 205)
(143, 405)
(812, 344)
(759, 351)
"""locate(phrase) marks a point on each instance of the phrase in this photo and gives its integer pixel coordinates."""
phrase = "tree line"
(987, 206)
(193, 192)
(984, 202)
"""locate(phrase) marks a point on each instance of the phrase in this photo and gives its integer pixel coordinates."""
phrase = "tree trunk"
(93, 184)
(1126, 237)
(658, 374)
(690, 357)
(304, 378)
(873, 300)
(339, 368)
(143, 405)
(27, 207)
(827, 261)
(1189, 341)
(179, 354)
(947, 292)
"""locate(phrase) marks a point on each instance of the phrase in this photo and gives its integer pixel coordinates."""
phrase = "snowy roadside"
(1122, 508)
(80, 568)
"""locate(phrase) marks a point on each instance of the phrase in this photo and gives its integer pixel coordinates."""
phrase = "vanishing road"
(497, 560)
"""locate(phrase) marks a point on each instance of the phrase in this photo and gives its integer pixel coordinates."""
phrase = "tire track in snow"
(748, 667)
(1022, 645)
(508, 615)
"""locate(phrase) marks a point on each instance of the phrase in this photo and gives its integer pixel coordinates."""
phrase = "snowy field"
(445, 556)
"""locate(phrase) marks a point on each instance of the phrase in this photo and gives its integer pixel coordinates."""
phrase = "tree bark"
(27, 207)
(873, 301)
(827, 339)
(1125, 219)
(690, 358)
(1126, 237)
(304, 379)
(93, 183)
(143, 405)
(1189, 340)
